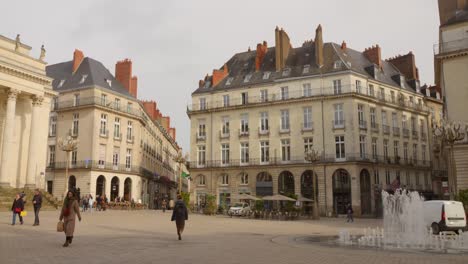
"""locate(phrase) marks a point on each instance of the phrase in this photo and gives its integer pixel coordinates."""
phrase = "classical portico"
(25, 97)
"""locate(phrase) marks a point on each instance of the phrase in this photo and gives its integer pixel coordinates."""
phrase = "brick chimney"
(406, 64)
(219, 75)
(261, 52)
(123, 74)
(343, 46)
(374, 55)
(150, 108)
(318, 46)
(172, 132)
(78, 57)
(282, 47)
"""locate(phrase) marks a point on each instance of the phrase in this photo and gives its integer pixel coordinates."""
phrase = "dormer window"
(247, 77)
(337, 65)
(229, 80)
(61, 83)
(306, 69)
(83, 78)
(266, 75)
(402, 81)
(286, 72)
(109, 82)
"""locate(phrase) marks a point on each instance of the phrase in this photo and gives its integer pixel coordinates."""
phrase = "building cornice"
(26, 75)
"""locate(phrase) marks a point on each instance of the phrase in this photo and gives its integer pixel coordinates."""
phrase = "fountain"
(404, 228)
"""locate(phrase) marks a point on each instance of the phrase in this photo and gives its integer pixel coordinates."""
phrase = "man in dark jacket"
(179, 215)
(37, 203)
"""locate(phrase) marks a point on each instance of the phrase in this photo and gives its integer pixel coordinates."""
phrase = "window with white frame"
(225, 125)
(129, 107)
(307, 118)
(382, 93)
(362, 146)
(226, 100)
(264, 151)
(306, 69)
(339, 115)
(103, 127)
(266, 75)
(244, 124)
(75, 125)
(201, 128)
(229, 80)
(51, 155)
(74, 157)
(385, 148)
(102, 155)
(284, 93)
(201, 180)
(308, 144)
(396, 147)
(306, 90)
(247, 78)
(104, 99)
(244, 152)
(392, 96)
(372, 118)
(244, 178)
(361, 119)
(387, 176)
(117, 127)
(76, 100)
(244, 98)
(264, 127)
(225, 153)
(384, 118)
(115, 157)
(371, 90)
(129, 130)
(201, 154)
(340, 147)
(202, 103)
(405, 151)
(415, 152)
(337, 86)
(285, 150)
(413, 123)
(404, 122)
(224, 179)
(376, 176)
(374, 148)
(128, 159)
(394, 120)
(264, 95)
(83, 78)
(358, 86)
(285, 120)
(53, 126)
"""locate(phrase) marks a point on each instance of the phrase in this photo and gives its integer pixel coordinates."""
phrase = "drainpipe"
(323, 141)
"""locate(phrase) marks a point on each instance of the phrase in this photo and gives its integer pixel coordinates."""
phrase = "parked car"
(239, 209)
(444, 216)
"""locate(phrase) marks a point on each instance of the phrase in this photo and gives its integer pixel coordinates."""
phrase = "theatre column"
(34, 153)
(8, 134)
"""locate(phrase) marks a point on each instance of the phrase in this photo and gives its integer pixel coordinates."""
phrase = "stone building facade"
(253, 120)
(25, 96)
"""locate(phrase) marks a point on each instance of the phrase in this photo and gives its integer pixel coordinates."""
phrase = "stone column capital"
(13, 94)
(37, 100)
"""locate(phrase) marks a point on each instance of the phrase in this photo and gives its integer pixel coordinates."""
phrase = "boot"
(70, 240)
(66, 243)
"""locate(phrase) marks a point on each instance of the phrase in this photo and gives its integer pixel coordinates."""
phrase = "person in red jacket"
(17, 208)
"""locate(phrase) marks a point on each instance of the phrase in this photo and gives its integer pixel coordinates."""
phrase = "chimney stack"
(261, 52)
(219, 75)
(343, 46)
(448, 9)
(78, 57)
(318, 46)
(282, 47)
(123, 74)
(374, 55)
(406, 64)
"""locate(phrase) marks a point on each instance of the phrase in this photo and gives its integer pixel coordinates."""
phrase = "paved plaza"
(149, 237)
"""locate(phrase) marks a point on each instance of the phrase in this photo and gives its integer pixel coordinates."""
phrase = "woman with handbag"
(17, 208)
(68, 213)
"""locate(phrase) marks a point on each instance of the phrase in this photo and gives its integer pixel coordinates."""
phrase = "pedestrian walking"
(17, 208)
(68, 213)
(164, 205)
(349, 212)
(180, 215)
(91, 203)
(37, 204)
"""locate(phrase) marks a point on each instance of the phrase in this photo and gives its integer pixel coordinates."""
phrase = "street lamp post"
(68, 145)
(449, 133)
(312, 156)
(180, 160)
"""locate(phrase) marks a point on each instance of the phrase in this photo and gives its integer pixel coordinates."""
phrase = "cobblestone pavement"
(149, 237)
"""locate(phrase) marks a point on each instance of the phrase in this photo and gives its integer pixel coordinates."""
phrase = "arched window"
(244, 178)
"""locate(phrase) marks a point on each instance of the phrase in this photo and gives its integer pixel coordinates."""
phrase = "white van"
(444, 216)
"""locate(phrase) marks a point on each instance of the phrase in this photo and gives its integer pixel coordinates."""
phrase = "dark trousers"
(36, 215)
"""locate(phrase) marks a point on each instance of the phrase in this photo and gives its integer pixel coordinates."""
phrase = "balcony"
(104, 133)
(117, 136)
(386, 129)
(244, 132)
(396, 131)
(451, 46)
(415, 134)
(362, 124)
(375, 127)
(224, 134)
(284, 130)
(200, 137)
(307, 127)
(265, 131)
(405, 132)
(338, 124)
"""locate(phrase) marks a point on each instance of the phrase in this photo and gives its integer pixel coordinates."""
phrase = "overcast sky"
(173, 44)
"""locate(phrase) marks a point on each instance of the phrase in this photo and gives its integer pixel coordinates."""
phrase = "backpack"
(180, 210)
